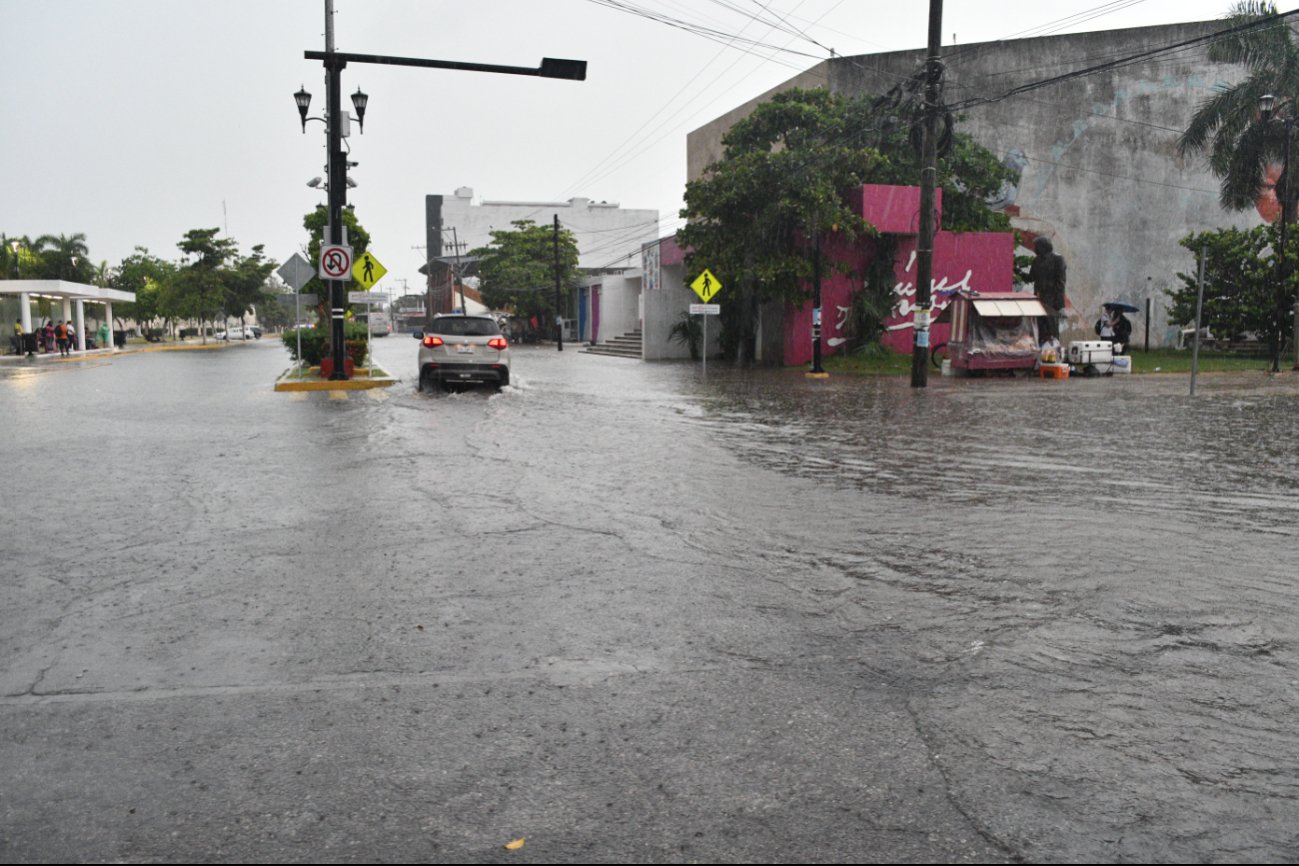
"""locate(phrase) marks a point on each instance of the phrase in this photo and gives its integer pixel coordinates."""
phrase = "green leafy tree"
(1241, 150)
(270, 312)
(144, 275)
(1241, 280)
(357, 237)
(517, 269)
(8, 258)
(246, 283)
(788, 175)
(199, 288)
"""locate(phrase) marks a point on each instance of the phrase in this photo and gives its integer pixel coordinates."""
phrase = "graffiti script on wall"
(941, 291)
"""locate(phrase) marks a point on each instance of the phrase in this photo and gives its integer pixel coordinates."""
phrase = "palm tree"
(1242, 149)
(66, 257)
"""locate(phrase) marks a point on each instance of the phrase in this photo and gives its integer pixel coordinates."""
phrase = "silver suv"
(465, 350)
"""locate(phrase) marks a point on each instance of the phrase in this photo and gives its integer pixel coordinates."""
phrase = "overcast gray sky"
(133, 121)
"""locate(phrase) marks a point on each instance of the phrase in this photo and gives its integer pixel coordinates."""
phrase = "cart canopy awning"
(1001, 308)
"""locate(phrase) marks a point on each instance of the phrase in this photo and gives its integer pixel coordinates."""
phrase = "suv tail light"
(432, 341)
(498, 343)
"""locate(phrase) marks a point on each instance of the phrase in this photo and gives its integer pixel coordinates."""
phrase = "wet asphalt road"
(630, 615)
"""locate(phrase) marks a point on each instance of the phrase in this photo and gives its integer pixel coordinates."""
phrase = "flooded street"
(635, 615)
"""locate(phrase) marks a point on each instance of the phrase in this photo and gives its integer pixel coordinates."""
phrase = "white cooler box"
(1091, 352)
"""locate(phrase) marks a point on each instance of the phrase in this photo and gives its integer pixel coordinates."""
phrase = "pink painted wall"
(895, 210)
(983, 261)
(670, 252)
(836, 301)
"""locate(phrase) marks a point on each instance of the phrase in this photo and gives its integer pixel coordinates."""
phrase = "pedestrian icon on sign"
(368, 271)
(706, 286)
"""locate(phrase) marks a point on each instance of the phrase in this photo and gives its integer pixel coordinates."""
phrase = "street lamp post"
(1267, 106)
(572, 70)
(336, 187)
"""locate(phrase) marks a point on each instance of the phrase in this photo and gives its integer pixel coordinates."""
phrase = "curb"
(356, 383)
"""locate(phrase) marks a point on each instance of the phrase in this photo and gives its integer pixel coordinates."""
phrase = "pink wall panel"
(895, 210)
(983, 261)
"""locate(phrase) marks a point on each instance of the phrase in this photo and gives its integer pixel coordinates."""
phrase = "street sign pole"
(706, 310)
(296, 272)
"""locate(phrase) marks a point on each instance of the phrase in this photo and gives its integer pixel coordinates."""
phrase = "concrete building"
(609, 239)
(1099, 170)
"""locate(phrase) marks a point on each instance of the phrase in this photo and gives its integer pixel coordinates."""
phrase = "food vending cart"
(991, 331)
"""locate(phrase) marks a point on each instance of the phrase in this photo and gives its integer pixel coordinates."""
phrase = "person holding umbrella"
(1114, 326)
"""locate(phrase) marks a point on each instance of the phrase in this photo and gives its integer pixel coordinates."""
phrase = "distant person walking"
(18, 337)
(61, 336)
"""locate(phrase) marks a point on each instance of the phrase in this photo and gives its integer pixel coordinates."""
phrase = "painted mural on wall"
(982, 261)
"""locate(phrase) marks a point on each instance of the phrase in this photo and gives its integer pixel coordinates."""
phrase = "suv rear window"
(464, 326)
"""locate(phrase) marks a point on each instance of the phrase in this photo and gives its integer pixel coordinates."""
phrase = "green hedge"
(316, 343)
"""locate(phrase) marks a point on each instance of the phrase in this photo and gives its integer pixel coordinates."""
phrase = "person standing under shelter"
(18, 337)
(1047, 274)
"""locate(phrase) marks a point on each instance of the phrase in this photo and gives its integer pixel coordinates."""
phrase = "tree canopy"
(517, 268)
(788, 173)
(1241, 285)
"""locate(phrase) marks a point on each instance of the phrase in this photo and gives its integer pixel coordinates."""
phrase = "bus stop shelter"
(73, 296)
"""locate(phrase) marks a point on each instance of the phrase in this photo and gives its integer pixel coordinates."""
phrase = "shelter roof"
(62, 289)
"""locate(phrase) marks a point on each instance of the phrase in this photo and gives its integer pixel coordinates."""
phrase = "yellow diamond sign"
(367, 271)
(706, 286)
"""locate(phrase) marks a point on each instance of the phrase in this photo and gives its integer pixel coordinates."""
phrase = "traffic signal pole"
(572, 70)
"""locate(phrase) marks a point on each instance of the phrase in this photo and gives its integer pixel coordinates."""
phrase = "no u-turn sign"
(335, 262)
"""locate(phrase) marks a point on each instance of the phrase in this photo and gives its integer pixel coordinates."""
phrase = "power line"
(1120, 63)
(1126, 177)
(671, 102)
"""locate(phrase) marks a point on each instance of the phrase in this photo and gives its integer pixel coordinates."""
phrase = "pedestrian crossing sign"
(706, 286)
(367, 271)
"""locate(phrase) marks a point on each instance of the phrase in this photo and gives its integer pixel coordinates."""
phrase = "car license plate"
(465, 350)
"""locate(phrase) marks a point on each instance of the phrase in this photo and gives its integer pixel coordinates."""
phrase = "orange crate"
(1054, 371)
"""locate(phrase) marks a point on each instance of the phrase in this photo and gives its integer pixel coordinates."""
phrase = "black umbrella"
(1120, 306)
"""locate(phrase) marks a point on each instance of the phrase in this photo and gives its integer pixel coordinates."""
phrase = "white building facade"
(609, 240)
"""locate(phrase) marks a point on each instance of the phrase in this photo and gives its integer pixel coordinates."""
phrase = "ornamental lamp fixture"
(1266, 103)
(303, 99)
(359, 101)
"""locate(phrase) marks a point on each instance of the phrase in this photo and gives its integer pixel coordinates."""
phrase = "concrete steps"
(626, 346)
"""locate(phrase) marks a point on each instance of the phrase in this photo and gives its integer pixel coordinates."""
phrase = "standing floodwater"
(635, 615)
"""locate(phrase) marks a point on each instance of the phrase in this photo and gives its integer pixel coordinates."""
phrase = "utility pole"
(817, 371)
(559, 315)
(455, 245)
(928, 182)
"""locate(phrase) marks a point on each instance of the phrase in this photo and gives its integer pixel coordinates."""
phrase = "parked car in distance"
(463, 350)
(240, 332)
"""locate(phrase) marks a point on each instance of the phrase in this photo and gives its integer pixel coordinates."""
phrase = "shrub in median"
(316, 343)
